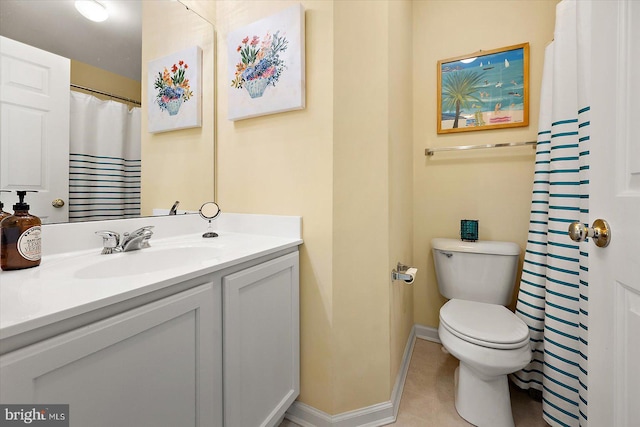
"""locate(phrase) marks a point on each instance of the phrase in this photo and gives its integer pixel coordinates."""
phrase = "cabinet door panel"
(151, 366)
(261, 342)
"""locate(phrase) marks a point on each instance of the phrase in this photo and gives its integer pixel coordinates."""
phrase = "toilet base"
(482, 402)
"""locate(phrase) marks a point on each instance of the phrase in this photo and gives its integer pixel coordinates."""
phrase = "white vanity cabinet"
(261, 347)
(219, 348)
(155, 365)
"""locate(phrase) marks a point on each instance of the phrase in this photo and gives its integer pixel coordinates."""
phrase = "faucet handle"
(110, 240)
(142, 230)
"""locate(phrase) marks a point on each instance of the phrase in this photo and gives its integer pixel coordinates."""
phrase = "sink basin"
(145, 261)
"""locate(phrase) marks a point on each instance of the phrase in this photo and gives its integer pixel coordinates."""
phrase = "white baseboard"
(371, 416)
(426, 333)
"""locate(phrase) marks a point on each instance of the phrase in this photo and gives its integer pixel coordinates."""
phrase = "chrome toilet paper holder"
(400, 273)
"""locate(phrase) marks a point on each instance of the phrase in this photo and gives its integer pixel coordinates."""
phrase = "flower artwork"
(174, 91)
(266, 65)
(260, 64)
(172, 88)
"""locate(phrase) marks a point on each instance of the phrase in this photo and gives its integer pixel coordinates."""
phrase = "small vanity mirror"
(209, 211)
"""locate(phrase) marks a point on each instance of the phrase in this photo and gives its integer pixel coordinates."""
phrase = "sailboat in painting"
(506, 63)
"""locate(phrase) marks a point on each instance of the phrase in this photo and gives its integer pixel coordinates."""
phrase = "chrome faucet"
(138, 239)
(174, 208)
(133, 241)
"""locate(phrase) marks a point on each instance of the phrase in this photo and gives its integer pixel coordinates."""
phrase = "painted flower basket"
(174, 91)
(266, 65)
(260, 64)
(256, 87)
(173, 88)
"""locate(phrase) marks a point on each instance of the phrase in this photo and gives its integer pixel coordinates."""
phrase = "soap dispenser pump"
(3, 214)
(20, 236)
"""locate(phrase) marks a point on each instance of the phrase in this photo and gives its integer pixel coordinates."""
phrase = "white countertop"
(74, 283)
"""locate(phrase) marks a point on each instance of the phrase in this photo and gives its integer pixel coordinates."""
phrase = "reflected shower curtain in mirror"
(104, 159)
(553, 297)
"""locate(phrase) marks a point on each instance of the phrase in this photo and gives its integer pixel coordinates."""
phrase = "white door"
(614, 271)
(34, 136)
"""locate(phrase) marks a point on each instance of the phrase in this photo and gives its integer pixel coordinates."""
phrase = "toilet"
(488, 339)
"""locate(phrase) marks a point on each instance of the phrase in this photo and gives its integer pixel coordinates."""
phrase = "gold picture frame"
(484, 90)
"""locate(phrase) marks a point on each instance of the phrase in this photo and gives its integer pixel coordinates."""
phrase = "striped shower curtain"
(553, 298)
(104, 159)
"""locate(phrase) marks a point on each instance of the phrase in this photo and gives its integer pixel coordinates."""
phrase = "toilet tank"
(483, 271)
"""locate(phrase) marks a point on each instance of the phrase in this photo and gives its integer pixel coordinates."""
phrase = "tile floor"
(427, 399)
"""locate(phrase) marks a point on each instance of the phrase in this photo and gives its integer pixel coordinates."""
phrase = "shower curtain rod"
(431, 151)
(132, 101)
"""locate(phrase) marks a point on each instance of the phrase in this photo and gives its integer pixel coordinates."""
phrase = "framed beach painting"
(174, 91)
(484, 90)
(266, 65)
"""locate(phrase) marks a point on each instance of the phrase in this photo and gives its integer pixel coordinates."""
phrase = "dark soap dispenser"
(20, 238)
(3, 214)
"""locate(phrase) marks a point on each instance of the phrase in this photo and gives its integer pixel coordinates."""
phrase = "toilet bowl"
(488, 339)
(490, 342)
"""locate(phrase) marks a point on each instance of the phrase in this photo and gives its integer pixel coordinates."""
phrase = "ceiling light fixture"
(92, 10)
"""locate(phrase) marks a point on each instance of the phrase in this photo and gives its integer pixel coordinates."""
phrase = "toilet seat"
(487, 325)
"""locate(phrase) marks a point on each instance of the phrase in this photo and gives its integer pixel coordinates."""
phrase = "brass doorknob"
(600, 232)
(57, 203)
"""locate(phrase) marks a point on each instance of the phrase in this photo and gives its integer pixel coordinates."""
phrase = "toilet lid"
(489, 325)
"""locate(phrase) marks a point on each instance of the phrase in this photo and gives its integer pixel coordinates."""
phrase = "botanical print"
(173, 88)
(259, 66)
(174, 91)
(487, 90)
(266, 65)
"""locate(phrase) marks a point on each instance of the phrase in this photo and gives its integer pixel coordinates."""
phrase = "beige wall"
(177, 165)
(361, 211)
(493, 186)
(400, 152)
(283, 164)
(352, 165)
(331, 163)
(98, 79)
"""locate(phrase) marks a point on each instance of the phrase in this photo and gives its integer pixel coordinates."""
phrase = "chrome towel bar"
(431, 151)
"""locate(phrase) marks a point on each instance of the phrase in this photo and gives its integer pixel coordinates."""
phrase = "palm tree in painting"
(458, 91)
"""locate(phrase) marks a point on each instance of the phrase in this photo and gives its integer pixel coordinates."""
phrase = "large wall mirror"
(108, 66)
